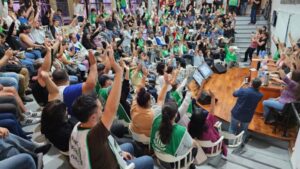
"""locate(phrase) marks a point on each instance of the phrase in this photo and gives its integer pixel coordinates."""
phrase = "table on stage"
(223, 86)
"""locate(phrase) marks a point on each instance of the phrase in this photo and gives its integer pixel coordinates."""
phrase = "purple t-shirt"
(288, 94)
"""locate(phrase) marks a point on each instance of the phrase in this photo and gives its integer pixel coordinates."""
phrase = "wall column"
(53, 4)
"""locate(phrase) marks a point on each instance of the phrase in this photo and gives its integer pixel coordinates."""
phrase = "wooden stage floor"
(223, 85)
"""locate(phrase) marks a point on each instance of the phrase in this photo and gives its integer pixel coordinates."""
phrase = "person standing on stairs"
(254, 8)
(250, 50)
(233, 6)
(243, 7)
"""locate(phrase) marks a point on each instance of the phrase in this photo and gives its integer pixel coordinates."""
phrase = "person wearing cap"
(27, 41)
(58, 16)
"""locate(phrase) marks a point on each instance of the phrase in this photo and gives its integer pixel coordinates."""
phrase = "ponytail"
(169, 112)
(143, 98)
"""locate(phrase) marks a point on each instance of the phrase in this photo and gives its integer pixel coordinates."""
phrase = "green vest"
(178, 133)
(233, 3)
(103, 95)
(178, 99)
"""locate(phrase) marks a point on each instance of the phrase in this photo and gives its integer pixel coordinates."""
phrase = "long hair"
(197, 124)
(143, 98)
(169, 111)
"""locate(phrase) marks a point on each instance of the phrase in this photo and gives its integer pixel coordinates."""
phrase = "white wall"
(285, 9)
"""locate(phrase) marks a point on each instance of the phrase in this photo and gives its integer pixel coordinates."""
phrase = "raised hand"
(92, 58)
(211, 94)
(44, 75)
(167, 78)
(145, 72)
(3, 132)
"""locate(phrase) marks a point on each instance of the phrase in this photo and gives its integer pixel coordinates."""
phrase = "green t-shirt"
(165, 53)
(233, 3)
(178, 3)
(103, 95)
(230, 57)
(123, 4)
(92, 18)
(140, 43)
(276, 55)
(175, 50)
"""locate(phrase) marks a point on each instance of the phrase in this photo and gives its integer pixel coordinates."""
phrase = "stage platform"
(223, 85)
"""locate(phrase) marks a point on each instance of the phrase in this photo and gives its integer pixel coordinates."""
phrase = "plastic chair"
(130, 166)
(167, 158)
(233, 140)
(216, 147)
(139, 137)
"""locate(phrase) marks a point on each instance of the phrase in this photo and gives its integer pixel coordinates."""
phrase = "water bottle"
(266, 79)
(260, 54)
(259, 73)
(263, 54)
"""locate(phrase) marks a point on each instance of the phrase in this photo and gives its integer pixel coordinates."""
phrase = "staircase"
(243, 32)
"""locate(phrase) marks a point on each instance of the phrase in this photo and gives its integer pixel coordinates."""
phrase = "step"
(253, 27)
(247, 18)
(246, 22)
(244, 31)
(242, 45)
(243, 36)
(242, 40)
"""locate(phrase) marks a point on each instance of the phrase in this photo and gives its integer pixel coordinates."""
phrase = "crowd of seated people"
(114, 71)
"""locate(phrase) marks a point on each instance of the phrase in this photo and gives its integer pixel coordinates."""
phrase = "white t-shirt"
(209, 1)
(79, 9)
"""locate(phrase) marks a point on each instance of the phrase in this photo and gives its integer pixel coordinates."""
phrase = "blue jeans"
(28, 63)
(9, 79)
(271, 104)
(253, 15)
(24, 161)
(237, 126)
(9, 121)
(143, 162)
(13, 145)
(243, 8)
(34, 54)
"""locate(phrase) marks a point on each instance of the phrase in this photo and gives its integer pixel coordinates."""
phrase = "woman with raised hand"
(167, 136)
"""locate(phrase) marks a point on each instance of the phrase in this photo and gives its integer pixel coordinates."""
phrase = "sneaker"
(33, 114)
(43, 149)
(30, 121)
(39, 161)
(26, 99)
(224, 157)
